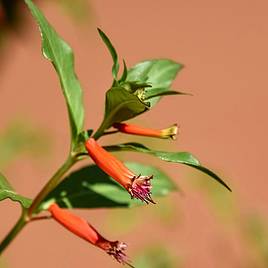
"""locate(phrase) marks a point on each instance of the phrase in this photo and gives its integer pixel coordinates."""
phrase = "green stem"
(110, 132)
(51, 184)
(27, 213)
(99, 132)
(13, 233)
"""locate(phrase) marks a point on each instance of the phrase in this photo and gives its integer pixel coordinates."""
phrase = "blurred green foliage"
(157, 256)
(3, 263)
(255, 233)
(164, 213)
(19, 138)
(79, 10)
(249, 226)
(223, 202)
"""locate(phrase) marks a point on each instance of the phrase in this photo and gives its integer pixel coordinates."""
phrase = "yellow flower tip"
(170, 132)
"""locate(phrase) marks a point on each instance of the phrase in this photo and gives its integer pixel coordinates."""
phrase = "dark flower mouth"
(116, 250)
(141, 188)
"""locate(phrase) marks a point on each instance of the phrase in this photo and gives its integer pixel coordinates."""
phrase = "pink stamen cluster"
(141, 188)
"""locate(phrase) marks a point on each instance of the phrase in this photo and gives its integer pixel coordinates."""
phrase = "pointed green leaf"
(158, 92)
(159, 73)
(113, 53)
(175, 157)
(61, 56)
(90, 187)
(124, 74)
(6, 191)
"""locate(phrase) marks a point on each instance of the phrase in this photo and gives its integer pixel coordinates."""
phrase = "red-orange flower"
(166, 133)
(138, 186)
(83, 229)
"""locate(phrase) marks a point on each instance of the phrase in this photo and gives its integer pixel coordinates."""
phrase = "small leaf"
(120, 105)
(6, 191)
(159, 73)
(61, 56)
(113, 53)
(158, 92)
(124, 74)
(175, 157)
(90, 187)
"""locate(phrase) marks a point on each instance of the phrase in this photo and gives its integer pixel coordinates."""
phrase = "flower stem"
(98, 133)
(13, 232)
(51, 184)
(110, 132)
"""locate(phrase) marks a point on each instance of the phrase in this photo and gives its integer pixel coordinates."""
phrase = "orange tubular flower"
(166, 133)
(138, 186)
(83, 229)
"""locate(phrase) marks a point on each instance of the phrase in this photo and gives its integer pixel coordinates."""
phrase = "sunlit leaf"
(6, 191)
(61, 56)
(90, 187)
(175, 157)
(159, 73)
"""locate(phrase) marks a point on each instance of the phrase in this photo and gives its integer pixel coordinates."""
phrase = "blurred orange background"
(223, 45)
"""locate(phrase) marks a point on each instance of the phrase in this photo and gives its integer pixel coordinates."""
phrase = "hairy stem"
(51, 184)
(13, 232)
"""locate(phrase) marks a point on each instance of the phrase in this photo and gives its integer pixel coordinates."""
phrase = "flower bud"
(166, 133)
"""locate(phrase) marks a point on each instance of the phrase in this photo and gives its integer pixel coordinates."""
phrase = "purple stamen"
(116, 250)
(141, 188)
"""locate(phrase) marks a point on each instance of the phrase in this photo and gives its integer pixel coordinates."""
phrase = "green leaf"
(120, 105)
(158, 92)
(174, 157)
(124, 74)
(61, 56)
(159, 73)
(90, 187)
(113, 53)
(6, 191)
